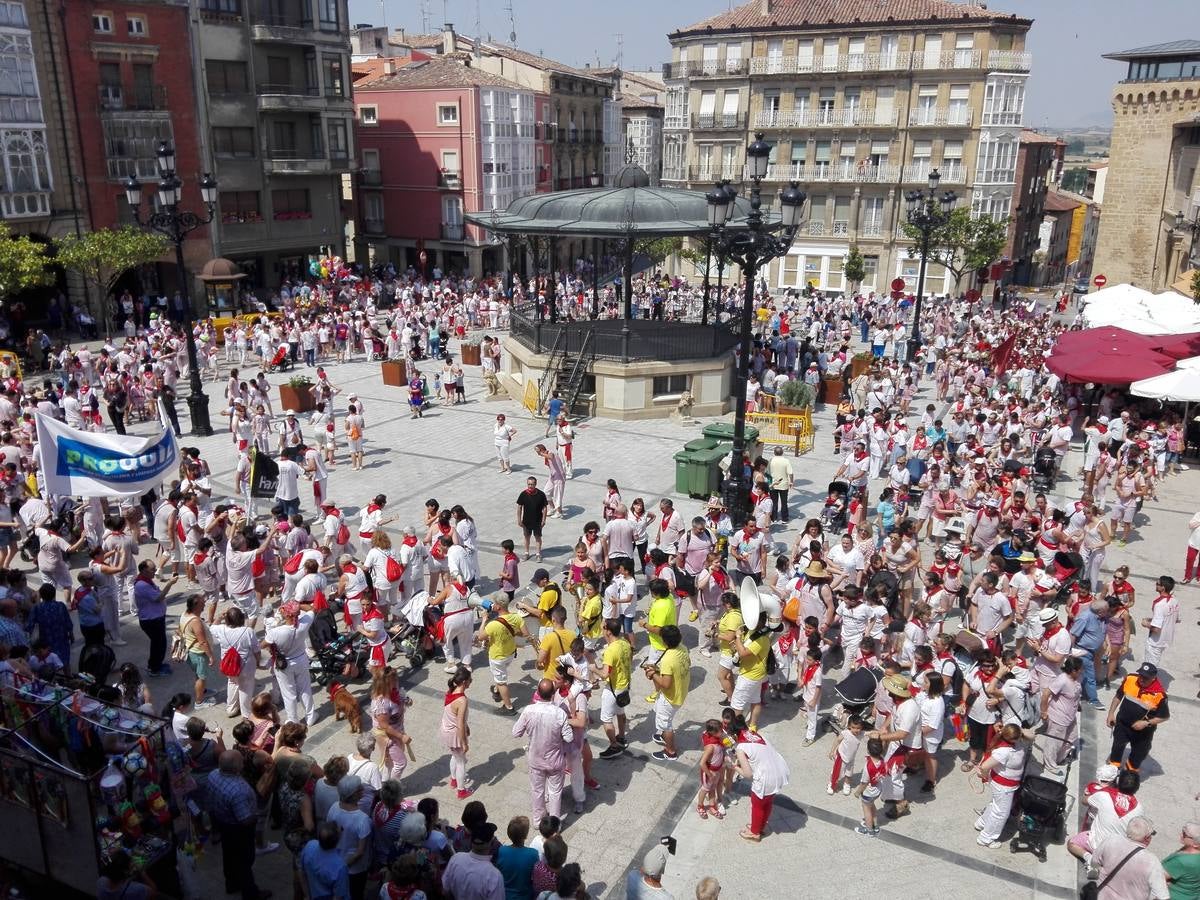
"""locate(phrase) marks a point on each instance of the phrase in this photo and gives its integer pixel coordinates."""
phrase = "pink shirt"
(544, 722)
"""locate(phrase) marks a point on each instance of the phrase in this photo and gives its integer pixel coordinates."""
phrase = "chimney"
(764, 7)
(389, 67)
(449, 39)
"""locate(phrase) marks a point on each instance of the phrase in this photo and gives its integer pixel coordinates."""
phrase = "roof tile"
(818, 13)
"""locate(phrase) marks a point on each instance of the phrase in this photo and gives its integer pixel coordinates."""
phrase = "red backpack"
(394, 570)
(292, 566)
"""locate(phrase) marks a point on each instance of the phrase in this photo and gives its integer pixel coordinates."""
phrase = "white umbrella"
(1179, 385)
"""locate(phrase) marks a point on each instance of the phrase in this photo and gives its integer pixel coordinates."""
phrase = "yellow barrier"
(784, 429)
(530, 399)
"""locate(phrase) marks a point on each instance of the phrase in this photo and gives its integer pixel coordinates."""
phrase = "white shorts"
(664, 714)
(247, 603)
(932, 745)
(1031, 628)
(499, 669)
(608, 705)
(938, 528)
(746, 693)
(726, 661)
(502, 451)
(1124, 510)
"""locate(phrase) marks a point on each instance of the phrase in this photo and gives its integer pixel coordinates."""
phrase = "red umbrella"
(1180, 346)
(1109, 337)
(1106, 365)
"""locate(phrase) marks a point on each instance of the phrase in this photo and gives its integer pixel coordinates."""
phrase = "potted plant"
(297, 394)
(861, 362)
(468, 352)
(794, 398)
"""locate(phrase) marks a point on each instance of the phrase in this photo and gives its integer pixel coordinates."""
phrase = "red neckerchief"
(666, 517)
(1123, 804)
(349, 568)
(866, 660)
(720, 578)
(746, 736)
(371, 507)
(410, 540)
(451, 696)
(444, 529)
(1053, 630)
(859, 456)
(810, 672)
(148, 579)
(945, 654)
(199, 558)
(994, 748)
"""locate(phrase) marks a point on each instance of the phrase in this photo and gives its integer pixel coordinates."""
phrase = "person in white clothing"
(294, 570)
(379, 559)
(902, 734)
(503, 434)
(234, 635)
(1160, 626)
(1002, 768)
(412, 555)
(287, 644)
(458, 624)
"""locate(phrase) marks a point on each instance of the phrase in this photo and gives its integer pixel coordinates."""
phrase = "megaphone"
(755, 602)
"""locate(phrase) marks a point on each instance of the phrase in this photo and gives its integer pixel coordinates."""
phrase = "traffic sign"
(1100, 281)
(973, 295)
(897, 284)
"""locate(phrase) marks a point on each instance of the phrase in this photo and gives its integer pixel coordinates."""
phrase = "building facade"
(131, 91)
(275, 109)
(440, 137)
(1036, 164)
(859, 102)
(639, 98)
(1153, 167)
(1056, 241)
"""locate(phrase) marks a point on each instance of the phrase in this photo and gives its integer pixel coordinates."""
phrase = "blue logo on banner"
(77, 459)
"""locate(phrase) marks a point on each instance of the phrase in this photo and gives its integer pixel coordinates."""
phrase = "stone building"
(1154, 166)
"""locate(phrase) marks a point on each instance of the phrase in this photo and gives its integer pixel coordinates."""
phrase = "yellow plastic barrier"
(13, 362)
(784, 429)
(530, 399)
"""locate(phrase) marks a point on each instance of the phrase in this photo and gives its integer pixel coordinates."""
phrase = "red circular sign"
(897, 284)
(973, 295)
(1100, 281)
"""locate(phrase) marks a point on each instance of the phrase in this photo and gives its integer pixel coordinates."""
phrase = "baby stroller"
(378, 350)
(856, 697)
(1042, 816)
(1066, 569)
(1045, 469)
(282, 360)
(833, 514)
(333, 651)
(416, 638)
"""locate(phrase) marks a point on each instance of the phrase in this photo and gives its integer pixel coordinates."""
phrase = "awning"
(1108, 365)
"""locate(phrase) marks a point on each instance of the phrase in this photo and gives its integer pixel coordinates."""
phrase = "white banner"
(86, 464)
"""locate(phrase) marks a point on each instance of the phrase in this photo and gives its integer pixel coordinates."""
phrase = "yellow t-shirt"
(731, 621)
(502, 643)
(557, 642)
(661, 614)
(756, 668)
(618, 656)
(550, 598)
(589, 617)
(678, 664)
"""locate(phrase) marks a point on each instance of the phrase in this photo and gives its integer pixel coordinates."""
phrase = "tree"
(856, 268)
(657, 249)
(23, 263)
(1196, 285)
(964, 243)
(102, 257)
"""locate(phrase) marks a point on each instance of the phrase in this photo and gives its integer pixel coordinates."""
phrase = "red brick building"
(1039, 159)
(131, 75)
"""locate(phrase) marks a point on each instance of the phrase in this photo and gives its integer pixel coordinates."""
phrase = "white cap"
(1103, 420)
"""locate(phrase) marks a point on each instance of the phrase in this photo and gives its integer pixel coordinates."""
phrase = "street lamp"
(595, 179)
(927, 212)
(751, 248)
(176, 224)
(1184, 224)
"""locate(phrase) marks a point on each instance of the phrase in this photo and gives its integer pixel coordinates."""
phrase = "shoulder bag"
(1091, 890)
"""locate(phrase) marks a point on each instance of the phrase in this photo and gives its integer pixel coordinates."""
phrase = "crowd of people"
(943, 567)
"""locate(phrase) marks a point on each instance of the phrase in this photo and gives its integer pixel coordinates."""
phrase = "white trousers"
(295, 688)
(545, 791)
(458, 627)
(458, 769)
(111, 616)
(991, 821)
(575, 769)
(556, 488)
(240, 691)
(1153, 653)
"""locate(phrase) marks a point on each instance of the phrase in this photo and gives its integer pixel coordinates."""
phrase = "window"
(669, 385)
(339, 145)
(800, 105)
(708, 106)
(857, 56)
(226, 76)
(774, 55)
(889, 51)
(933, 51)
(959, 112)
(335, 83)
(871, 270)
(136, 26)
(771, 102)
(239, 207)
(790, 277)
(804, 55)
(328, 12)
(799, 153)
(825, 106)
(952, 152)
(370, 158)
(112, 94)
(12, 14)
(233, 142)
(452, 210)
(290, 203)
(450, 161)
(373, 207)
(733, 58)
(25, 163)
(131, 145)
(102, 23)
(221, 7)
(829, 54)
(964, 45)
(871, 222)
(368, 115)
(885, 110)
(447, 113)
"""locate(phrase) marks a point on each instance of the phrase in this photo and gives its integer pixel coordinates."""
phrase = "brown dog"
(345, 706)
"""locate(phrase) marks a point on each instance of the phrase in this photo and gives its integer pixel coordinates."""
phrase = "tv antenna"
(424, 16)
(512, 23)
(620, 50)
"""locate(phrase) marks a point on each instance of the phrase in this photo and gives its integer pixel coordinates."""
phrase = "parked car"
(1081, 286)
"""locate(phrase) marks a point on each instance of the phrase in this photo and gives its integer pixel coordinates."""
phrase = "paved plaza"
(810, 846)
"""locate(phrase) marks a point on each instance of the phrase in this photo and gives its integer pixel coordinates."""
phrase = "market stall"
(80, 778)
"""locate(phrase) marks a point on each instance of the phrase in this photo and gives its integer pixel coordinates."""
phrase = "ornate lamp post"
(176, 224)
(595, 180)
(927, 213)
(751, 249)
(1184, 225)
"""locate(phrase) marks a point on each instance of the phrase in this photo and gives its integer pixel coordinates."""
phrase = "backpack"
(231, 663)
(258, 566)
(343, 534)
(292, 566)
(354, 433)
(394, 570)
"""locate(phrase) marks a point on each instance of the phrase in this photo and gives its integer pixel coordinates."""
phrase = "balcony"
(825, 118)
(1010, 61)
(114, 98)
(289, 98)
(719, 121)
(292, 161)
(272, 26)
(24, 204)
(26, 110)
(717, 172)
(918, 173)
(950, 59)
(1002, 116)
(705, 68)
(370, 177)
(452, 232)
(815, 65)
(995, 176)
(844, 172)
(675, 123)
(870, 229)
(374, 227)
(939, 116)
(450, 181)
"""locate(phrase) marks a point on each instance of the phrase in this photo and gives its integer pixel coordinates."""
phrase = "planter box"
(831, 390)
(859, 364)
(469, 354)
(297, 399)
(395, 372)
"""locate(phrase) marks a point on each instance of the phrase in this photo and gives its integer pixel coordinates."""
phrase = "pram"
(282, 360)
(1042, 814)
(1045, 469)
(1065, 569)
(856, 697)
(378, 349)
(834, 514)
(333, 651)
(416, 638)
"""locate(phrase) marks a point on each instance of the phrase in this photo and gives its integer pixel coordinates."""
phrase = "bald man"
(233, 806)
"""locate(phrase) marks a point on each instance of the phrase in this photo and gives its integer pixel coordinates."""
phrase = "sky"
(1069, 86)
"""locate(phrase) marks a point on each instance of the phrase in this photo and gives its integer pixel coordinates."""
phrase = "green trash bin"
(703, 443)
(706, 470)
(723, 431)
(683, 471)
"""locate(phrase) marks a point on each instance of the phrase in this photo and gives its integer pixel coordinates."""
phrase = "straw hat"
(897, 685)
(816, 569)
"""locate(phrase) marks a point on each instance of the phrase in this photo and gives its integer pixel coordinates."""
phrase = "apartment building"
(639, 98)
(273, 81)
(1038, 158)
(132, 86)
(1153, 174)
(859, 102)
(439, 137)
